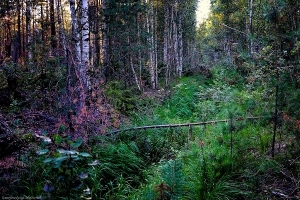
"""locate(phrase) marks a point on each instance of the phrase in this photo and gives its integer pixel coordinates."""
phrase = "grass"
(217, 155)
(216, 161)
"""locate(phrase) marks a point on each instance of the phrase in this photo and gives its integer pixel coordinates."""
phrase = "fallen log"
(185, 124)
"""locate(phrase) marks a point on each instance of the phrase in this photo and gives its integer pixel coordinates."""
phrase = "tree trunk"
(180, 44)
(61, 29)
(78, 66)
(17, 46)
(85, 41)
(155, 47)
(251, 48)
(151, 44)
(175, 40)
(105, 41)
(94, 32)
(132, 66)
(76, 36)
(139, 50)
(52, 25)
(42, 22)
(28, 29)
(166, 42)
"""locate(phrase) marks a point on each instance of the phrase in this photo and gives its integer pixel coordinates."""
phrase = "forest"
(135, 99)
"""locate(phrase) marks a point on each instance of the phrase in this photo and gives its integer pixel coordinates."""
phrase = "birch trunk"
(180, 44)
(151, 43)
(166, 31)
(175, 41)
(251, 46)
(139, 52)
(132, 66)
(76, 36)
(166, 42)
(84, 72)
(155, 48)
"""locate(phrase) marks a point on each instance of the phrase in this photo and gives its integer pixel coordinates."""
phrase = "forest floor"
(235, 156)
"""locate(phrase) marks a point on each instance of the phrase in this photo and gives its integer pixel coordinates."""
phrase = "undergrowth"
(230, 159)
(219, 161)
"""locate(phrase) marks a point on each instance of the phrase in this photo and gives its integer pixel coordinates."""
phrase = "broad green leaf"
(61, 151)
(48, 160)
(42, 152)
(76, 144)
(66, 152)
(44, 138)
(84, 154)
(75, 157)
(60, 159)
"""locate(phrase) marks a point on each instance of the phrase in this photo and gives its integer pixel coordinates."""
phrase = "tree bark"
(85, 42)
(94, 33)
(76, 36)
(78, 66)
(180, 44)
(175, 39)
(62, 36)
(251, 46)
(166, 42)
(151, 44)
(52, 25)
(17, 45)
(139, 50)
(105, 41)
(28, 30)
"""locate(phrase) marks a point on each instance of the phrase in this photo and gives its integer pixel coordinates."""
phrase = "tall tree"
(28, 29)
(150, 30)
(85, 42)
(52, 25)
(62, 37)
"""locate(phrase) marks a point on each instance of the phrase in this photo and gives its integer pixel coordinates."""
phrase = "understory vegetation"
(229, 157)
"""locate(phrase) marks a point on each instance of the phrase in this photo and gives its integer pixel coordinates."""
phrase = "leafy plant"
(64, 167)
